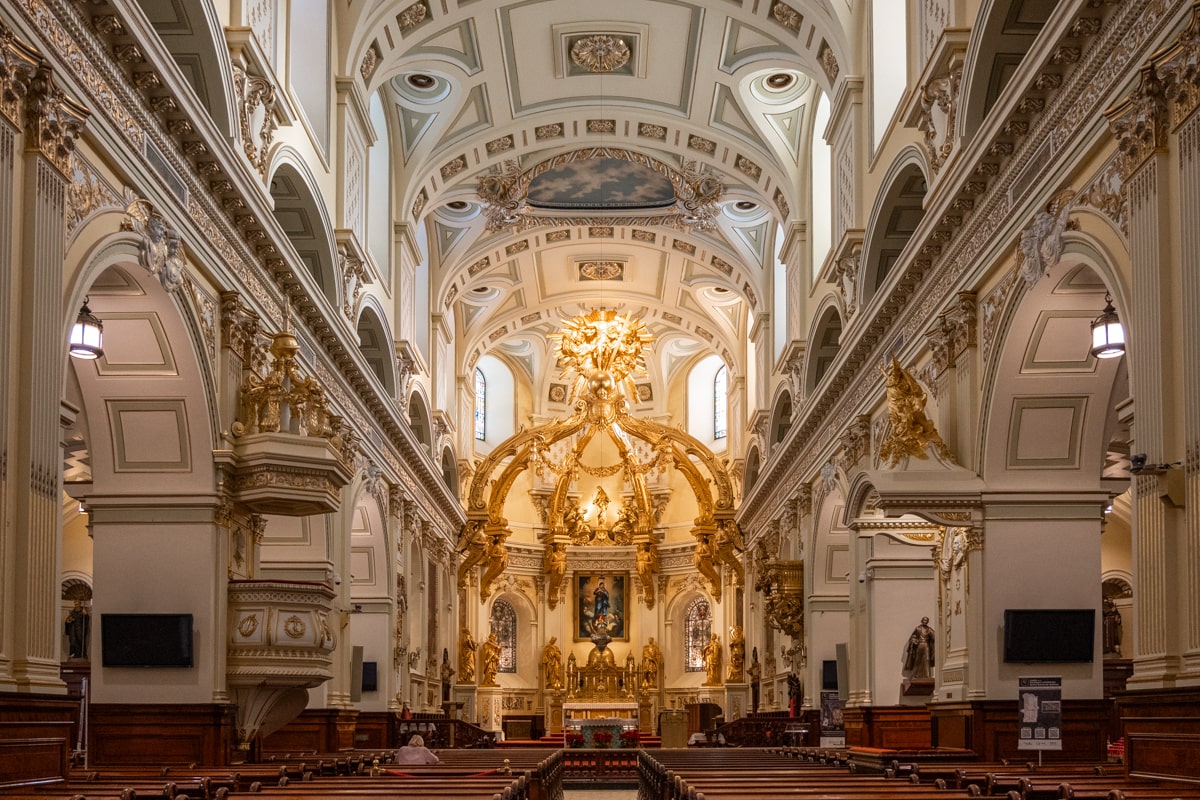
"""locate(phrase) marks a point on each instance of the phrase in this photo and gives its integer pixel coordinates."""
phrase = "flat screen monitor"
(146, 640)
(1049, 635)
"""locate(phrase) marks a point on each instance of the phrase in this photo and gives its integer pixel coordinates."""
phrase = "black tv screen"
(1049, 635)
(146, 640)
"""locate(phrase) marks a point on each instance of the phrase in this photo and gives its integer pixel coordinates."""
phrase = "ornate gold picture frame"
(601, 601)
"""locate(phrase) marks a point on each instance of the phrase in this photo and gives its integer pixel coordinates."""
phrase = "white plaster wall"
(185, 583)
(901, 589)
(371, 632)
(1039, 563)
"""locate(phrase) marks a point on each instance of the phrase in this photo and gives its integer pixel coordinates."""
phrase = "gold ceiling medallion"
(505, 194)
(601, 495)
(600, 53)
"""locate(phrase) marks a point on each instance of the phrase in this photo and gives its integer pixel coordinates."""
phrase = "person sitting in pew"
(415, 752)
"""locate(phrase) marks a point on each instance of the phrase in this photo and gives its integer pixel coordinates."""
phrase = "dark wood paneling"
(1162, 733)
(121, 734)
(33, 752)
(35, 737)
(989, 728)
(374, 730)
(890, 727)
(322, 730)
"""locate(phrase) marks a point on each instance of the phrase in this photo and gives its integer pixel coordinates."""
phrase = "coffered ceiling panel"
(531, 40)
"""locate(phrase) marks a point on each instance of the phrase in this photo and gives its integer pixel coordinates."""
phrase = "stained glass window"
(504, 625)
(480, 405)
(697, 626)
(721, 403)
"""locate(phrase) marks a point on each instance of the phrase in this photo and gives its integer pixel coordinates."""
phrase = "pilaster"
(1182, 89)
(52, 122)
(17, 67)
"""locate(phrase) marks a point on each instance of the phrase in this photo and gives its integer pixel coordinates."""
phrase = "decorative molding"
(53, 121)
(504, 191)
(18, 67)
(160, 251)
(600, 53)
(87, 194)
(939, 108)
(1139, 122)
(256, 116)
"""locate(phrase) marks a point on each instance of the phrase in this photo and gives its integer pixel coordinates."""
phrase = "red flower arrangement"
(602, 738)
(630, 738)
(572, 739)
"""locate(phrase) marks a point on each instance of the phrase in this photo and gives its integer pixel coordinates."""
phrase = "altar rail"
(600, 764)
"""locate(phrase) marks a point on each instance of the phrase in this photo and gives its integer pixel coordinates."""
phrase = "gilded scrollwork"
(912, 433)
(285, 395)
(600, 53)
(647, 569)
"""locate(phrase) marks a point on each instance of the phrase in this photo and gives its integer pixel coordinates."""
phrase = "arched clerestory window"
(721, 403)
(480, 405)
(697, 627)
(504, 625)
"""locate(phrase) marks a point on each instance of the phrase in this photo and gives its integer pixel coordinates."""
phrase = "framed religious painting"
(601, 599)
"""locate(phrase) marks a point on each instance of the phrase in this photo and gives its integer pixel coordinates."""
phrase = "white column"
(35, 457)
(1189, 211)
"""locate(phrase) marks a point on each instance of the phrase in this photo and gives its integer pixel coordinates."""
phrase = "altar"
(576, 712)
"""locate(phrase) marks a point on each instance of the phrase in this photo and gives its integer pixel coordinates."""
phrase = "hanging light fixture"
(1108, 335)
(87, 334)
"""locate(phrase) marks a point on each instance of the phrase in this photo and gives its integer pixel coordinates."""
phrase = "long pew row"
(462, 775)
(815, 774)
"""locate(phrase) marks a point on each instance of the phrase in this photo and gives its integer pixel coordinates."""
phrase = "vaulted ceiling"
(483, 88)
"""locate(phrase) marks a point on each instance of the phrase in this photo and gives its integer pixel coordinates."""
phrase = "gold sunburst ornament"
(603, 345)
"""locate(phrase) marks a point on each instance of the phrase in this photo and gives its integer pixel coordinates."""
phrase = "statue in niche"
(755, 673)
(447, 675)
(918, 653)
(651, 666)
(1112, 627)
(795, 694)
(552, 664)
(737, 655)
(601, 502)
(489, 660)
(78, 627)
(466, 656)
(711, 653)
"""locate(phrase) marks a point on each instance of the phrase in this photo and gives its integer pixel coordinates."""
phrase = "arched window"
(889, 64)
(708, 402)
(480, 405)
(697, 627)
(721, 403)
(504, 625)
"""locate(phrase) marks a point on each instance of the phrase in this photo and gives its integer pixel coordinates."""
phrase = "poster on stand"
(833, 728)
(1040, 727)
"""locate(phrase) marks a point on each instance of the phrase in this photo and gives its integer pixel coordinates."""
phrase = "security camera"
(337, 580)
(1137, 462)
(862, 577)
